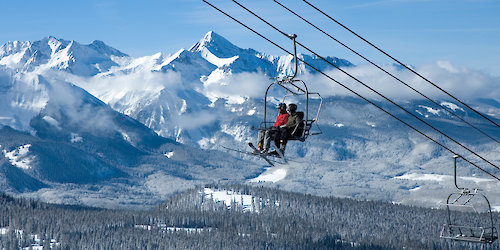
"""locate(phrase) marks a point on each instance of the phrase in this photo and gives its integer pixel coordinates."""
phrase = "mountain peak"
(104, 49)
(217, 45)
(213, 37)
(50, 39)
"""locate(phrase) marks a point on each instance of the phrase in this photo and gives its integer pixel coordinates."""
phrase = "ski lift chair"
(305, 128)
(295, 87)
(469, 216)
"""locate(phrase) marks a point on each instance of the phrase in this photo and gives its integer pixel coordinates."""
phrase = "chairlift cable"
(352, 91)
(385, 71)
(370, 88)
(400, 63)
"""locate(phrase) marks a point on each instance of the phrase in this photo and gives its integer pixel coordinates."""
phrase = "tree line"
(279, 220)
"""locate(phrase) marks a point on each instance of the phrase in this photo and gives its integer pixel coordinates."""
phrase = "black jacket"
(295, 121)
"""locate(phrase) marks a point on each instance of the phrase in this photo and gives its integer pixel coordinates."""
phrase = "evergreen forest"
(275, 219)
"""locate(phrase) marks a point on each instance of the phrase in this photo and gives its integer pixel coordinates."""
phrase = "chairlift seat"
(478, 232)
(470, 234)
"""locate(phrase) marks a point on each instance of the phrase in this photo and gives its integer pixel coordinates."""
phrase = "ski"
(281, 155)
(254, 148)
(263, 156)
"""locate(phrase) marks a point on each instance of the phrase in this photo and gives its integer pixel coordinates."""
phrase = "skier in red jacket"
(266, 135)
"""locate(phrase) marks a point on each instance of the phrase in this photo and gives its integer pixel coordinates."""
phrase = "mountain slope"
(76, 147)
(212, 96)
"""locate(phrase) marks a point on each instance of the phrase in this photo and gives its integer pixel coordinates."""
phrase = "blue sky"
(464, 32)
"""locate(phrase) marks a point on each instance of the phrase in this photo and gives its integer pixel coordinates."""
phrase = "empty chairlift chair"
(469, 216)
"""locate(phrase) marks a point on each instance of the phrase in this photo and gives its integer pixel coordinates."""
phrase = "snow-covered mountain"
(61, 144)
(86, 111)
(192, 80)
(59, 54)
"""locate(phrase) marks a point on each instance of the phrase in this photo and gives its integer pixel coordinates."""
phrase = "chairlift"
(293, 88)
(296, 88)
(469, 215)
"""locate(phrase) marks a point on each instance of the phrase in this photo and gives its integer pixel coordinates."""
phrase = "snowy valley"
(90, 125)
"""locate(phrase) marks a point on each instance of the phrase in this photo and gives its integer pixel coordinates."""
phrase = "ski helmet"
(292, 107)
(281, 106)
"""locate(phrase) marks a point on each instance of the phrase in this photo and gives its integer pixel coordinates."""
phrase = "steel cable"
(400, 63)
(370, 88)
(352, 91)
(385, 71)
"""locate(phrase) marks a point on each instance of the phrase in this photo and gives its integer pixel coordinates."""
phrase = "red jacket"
(281, 120)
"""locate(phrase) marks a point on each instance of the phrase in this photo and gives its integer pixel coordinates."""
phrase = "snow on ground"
(125, 136)
(219, 62)
(430, 110)
(495, 208)
(53, 122)
(206, 142)
(451, 106)
(439, 178)
(165, 228)
(185, 229)
(371, 124)
(237, 131)
(76, 138)
(19, 157)
(273, 174)
(36, 241)
(227, 197)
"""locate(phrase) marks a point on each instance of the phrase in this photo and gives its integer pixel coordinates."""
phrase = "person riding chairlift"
(293, 127)
(266, 135)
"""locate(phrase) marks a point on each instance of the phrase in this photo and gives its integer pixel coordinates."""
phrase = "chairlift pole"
(295, 87)
(285, 79)
(293, 37)
(291, 79)
(455, 157)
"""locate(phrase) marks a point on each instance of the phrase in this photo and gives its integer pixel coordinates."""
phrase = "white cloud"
(234, 87)
(129, 88)
(459, 81)
(195, 120)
